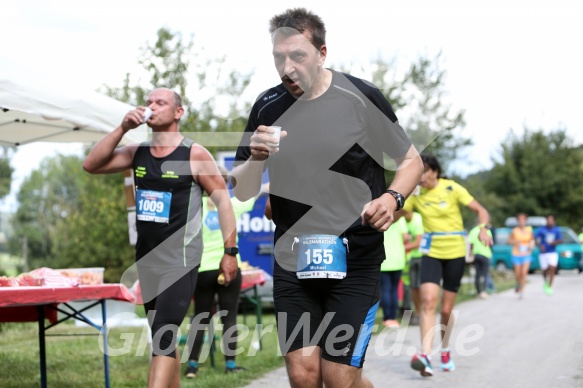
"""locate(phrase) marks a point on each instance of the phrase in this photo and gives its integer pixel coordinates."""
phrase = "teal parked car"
(570, 252)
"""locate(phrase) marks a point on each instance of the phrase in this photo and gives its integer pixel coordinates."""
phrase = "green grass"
(78, 361)
(257, 362)
(502, 280)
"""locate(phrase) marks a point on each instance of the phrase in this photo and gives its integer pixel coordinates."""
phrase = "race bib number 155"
(321, 256)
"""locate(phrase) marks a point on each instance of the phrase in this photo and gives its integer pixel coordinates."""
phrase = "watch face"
(231, 251)
(401, 201)
(399, 198)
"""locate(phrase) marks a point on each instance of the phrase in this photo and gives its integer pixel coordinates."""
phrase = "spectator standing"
(482, 255)
(211, 284)
(411, 274)
(391, 269)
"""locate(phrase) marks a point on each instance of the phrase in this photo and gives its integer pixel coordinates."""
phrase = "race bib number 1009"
(153, 206)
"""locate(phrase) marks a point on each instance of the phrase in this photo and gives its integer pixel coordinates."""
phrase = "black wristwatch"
(398, 197)
(232, 251)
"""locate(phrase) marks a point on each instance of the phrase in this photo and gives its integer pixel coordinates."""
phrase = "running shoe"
(191, 372)
(422, 363)
(446, 364)
(548, 289)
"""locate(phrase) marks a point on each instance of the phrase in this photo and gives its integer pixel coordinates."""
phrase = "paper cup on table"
(276, 135)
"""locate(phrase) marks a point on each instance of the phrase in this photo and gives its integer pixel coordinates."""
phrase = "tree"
(475, 184)
(418, 99)
(538, 174)
(6, 171)
(173, 63)
(165, 62)
(72, 219)
(95, 233)
(47, 195)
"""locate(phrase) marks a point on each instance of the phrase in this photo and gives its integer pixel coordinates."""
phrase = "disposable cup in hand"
(276, 134)
(147, 114)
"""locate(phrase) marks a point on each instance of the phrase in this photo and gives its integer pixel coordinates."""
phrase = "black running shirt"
(330, 164)
(170, 202)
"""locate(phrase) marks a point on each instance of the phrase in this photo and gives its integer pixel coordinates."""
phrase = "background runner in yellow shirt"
(444, 249)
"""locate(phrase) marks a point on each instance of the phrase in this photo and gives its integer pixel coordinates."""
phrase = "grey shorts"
(415, 272)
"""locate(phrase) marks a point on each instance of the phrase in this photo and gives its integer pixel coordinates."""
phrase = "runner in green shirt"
(411, 273)
(209, 284)
(482, 255)
(391, 269)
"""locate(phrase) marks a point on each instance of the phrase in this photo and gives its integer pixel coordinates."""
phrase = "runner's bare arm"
(414, 244)
(484, 218)
(247, 176)
(207, 175)
(105, 157)
(380, 212)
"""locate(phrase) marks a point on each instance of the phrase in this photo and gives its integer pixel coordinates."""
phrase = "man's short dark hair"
(300, 19)
(431, 161)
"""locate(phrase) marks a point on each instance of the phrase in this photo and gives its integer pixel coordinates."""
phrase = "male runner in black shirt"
(170, 173)
(329, 200)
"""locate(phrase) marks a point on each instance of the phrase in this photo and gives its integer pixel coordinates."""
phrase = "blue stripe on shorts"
(364, 336)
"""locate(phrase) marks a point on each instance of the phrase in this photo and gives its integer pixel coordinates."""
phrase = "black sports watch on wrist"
(398, 197)
(232, 251)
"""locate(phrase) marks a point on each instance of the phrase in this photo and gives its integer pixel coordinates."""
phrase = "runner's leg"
(431, 275)
(343, 376)
(453, 271)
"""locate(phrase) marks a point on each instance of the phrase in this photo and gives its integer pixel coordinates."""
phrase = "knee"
(429, 302)
(303, 374)
(445, 312)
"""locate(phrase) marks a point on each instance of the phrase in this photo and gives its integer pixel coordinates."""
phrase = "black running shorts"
(337, 315)
(450, 270)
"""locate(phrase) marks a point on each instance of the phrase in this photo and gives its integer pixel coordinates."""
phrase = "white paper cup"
(276, 135)
(147, 114)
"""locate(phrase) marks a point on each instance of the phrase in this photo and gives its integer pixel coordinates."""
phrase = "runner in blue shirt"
(547, 238)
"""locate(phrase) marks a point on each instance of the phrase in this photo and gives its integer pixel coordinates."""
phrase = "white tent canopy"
(35, 108)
